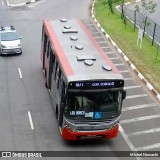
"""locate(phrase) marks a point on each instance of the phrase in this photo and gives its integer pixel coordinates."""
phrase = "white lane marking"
(124, 71)
(136, 96)
(97, 37)
(102, 42)
(153, 130)
(20, 73)
(90, 24)
(139, 119)
(105, 47)
(138, 107)
(128, 141)
(132, 87)
(126, 138)
(107, 52)
(30, 120)
(95, 32)
(145, 148)
(114, 58)
(128, 79)
(120, 64)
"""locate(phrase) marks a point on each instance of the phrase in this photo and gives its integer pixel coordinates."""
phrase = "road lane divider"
(30, 120)
(20, 73)
(128, 141)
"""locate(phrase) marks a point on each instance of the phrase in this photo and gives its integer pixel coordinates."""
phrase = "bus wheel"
(46, 84)
(60, 117)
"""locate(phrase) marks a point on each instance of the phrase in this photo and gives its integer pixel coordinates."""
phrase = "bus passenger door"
(62, 104)
(53, 85)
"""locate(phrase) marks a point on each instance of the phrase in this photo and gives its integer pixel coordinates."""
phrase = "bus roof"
(79, 55)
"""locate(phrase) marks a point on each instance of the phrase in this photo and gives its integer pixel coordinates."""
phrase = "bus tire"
(60, 117)
(46, 84)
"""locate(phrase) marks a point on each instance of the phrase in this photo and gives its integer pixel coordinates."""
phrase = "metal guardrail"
(152, 30)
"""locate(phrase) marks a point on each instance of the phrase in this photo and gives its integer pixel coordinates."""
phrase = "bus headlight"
(69, 127)
(112, 127)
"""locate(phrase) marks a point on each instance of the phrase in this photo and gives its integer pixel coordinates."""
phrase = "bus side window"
(61, 83)
(55, 71)
(48, 49)
(58, 77)
(54, 58)
(63, 92)
(53, 52)
(45, 43)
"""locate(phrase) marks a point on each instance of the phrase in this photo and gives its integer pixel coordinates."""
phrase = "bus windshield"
(93, 105)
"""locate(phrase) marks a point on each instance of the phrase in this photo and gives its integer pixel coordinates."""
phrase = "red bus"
(86, 88)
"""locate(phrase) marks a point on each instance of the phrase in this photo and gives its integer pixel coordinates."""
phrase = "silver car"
(10, 42)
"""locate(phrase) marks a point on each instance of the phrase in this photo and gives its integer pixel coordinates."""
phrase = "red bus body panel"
(73, 135)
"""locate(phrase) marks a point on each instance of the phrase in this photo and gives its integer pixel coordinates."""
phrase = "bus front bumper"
(78, 135)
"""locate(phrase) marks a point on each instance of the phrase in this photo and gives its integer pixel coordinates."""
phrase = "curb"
(133, 67)
(21, 4)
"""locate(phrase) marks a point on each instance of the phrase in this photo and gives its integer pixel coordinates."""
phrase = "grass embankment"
(145, 58)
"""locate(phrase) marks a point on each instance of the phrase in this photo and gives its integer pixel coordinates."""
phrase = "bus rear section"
(86, 88)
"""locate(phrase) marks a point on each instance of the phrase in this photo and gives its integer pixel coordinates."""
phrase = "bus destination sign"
(96, 84)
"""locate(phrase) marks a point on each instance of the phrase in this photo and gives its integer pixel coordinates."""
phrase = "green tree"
(109, 3)
(146, 7)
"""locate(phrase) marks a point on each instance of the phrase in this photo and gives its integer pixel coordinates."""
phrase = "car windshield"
(93, 106)
(9, 36)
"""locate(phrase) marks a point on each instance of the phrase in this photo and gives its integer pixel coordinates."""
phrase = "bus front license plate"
(91, 137)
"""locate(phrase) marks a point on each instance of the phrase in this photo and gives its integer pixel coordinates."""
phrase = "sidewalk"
(15, 3)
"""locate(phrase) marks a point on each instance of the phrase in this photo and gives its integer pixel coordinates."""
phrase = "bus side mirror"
(123, 94)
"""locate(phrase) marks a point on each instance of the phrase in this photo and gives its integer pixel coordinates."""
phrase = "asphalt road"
(23, 91)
